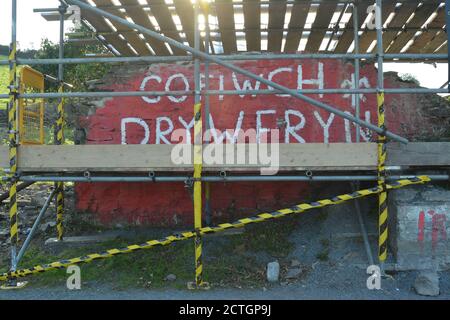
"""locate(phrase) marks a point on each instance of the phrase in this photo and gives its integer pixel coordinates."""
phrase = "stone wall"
(419, 227)
(151, 120)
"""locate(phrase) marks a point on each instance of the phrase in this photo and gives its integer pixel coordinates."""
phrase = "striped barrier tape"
(382, 199)
(300, 208)
(12, 126)
(197, 195)
(60, 185)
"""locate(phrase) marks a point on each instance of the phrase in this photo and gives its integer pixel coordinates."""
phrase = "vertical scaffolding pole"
(447, 20)
(208, 214)
(358, 133)
(198, 160)
(382, 199)
(12, 135)
(59, 128)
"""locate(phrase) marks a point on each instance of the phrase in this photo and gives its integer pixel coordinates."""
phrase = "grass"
(4, 82)
(228, 261)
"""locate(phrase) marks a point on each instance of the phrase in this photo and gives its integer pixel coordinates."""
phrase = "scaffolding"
(200, 50)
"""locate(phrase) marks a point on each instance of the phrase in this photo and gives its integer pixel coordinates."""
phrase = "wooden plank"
(252, 24)
(298, 19)
(225, 16)
(140, 17)
(369, 36)
(419, 154)
(325, 13)
(421, 16)
(399, 20)
(277, 12)
(162, 14)
(144, 158)
(347, 37)
(436, 42)
(133, 39)
(100, 25)
(426, 36)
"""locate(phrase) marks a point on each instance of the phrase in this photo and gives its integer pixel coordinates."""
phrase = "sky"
(32, 28)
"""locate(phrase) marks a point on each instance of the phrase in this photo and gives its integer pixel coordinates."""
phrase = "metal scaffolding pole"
(356, 185)
(290, 178)
(205, 7)
(198, 161)
(12, 127)
(382, 197)
(108, 94)
(202, 55)
(59, 127)
(35, 226)
(233, 57)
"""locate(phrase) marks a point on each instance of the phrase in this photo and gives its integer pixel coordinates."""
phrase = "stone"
(295, 263)
(45, 226)
(170, 277)
(38, 200)
(273, 271)
(419, 236)
(427, 283)
(293, 273)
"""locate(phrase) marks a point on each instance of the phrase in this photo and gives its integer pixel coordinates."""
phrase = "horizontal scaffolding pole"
(103, 94)
(443, 177)
(233, 3)
(216, 31)
(234, 57)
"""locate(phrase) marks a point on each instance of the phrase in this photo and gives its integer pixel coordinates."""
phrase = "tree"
(75, 74)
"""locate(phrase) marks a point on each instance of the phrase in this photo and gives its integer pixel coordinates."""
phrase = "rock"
(38, 201)
(171, 277)
(273, 271)
(295, 263)
(45, 226)
(293, 273)
(427, 283)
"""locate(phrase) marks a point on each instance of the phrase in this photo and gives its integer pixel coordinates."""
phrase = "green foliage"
(4, 82)
(75, 74)
(407, 77)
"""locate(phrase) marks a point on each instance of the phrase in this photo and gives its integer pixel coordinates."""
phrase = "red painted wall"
(169, 203)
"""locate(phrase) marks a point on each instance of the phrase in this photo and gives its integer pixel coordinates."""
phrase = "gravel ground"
(335, 283)
(328, 247)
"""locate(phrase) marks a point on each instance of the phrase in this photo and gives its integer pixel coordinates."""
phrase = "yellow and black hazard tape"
(14, 225)
(60, 185)
(382, 199)
(300, 208)
(197, 195)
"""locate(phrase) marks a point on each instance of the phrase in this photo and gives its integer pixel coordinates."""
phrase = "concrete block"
(273, 271)
(419, 229)
(405, 194)
(437, 195)
(427, 283)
